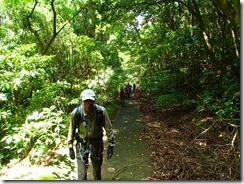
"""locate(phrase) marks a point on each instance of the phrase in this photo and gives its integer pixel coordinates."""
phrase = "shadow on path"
(131, 159)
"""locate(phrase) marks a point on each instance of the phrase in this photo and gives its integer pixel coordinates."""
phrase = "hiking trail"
(131, 159)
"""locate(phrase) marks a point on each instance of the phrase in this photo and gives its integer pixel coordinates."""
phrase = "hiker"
(134, 88)
(122, 96)
(86, 132)
(128, 90)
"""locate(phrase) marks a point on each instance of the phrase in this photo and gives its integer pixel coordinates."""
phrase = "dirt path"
(131, 159)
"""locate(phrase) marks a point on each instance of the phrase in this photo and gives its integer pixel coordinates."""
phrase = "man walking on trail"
(86, 128)
(122, 96)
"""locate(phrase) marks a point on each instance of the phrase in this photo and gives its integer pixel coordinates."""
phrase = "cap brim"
(88, 98)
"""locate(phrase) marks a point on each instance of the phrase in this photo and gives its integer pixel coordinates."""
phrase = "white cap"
(87, 94)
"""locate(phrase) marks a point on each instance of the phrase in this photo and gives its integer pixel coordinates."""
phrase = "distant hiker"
(134, 88)
(86, 131)
(128, 90)
(122, 96)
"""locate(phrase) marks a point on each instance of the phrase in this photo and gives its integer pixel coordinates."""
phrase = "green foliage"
(221, 94)
(39, 136)
(185, 51)
(169, 100)
(223, 107)
(51, 93)
(24, 72)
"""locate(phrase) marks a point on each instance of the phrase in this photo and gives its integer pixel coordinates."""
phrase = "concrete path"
(131, 159)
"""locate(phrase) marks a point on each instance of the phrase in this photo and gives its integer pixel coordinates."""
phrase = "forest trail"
(131, 159)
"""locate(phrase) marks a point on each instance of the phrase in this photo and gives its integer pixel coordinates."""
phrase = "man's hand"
(110, 152)
(71, 153)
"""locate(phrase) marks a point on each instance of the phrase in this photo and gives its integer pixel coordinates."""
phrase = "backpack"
(78, 117)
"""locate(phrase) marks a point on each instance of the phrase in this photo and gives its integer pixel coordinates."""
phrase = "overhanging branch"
(55, 32)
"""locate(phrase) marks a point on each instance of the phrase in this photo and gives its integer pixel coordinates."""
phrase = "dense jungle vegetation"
(178, 51)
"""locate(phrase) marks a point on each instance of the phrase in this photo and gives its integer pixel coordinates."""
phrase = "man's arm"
(108, 128)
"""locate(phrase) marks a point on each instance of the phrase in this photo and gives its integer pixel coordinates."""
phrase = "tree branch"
(28, 24)
(54, 18)
(55, 33)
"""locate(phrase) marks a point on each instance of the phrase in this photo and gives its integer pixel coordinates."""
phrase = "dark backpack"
(78, 117)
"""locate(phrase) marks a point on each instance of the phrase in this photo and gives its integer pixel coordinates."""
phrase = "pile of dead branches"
(183, 150)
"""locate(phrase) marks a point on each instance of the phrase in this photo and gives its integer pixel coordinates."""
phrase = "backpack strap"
(98, 107)
(79, 111)
(99, 114)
